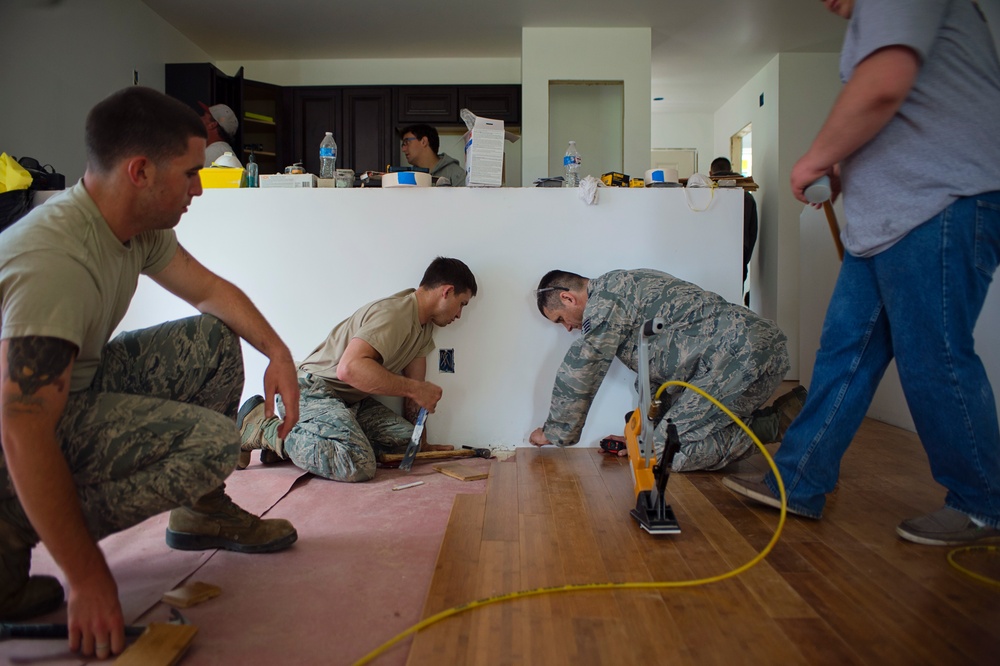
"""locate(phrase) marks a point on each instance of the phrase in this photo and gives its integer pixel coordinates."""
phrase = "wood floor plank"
(500, 521)
(532, 491)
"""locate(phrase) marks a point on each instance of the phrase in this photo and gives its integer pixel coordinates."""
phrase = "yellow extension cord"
(581, 587)
(610, 586)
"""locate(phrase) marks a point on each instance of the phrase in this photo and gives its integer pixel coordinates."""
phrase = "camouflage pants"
(337, 441)
(156, 429)
(709, 438)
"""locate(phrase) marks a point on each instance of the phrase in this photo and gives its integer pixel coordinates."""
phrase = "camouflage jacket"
(702, 328)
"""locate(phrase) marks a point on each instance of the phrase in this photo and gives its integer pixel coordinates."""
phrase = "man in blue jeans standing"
(913, 146)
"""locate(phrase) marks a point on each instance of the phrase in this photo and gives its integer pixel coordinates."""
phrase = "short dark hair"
(552, 284)
(449, 271)
(139, 121)
(721, 166)
(421, 131)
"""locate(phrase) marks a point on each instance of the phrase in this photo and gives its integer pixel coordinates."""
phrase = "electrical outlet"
(446, 360)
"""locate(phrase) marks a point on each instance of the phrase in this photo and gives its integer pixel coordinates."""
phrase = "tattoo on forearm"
(34, 362)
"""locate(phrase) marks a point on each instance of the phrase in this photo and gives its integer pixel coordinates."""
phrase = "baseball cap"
(223, 115)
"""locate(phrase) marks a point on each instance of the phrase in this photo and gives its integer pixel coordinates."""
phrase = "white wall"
(309, 258)
(61, 59)
(742, 108)
(584, 54)
(685, 130)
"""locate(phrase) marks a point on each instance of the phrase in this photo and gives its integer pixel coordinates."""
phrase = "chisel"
(411, 450)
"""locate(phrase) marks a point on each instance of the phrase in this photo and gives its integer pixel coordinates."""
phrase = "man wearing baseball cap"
(221, 123)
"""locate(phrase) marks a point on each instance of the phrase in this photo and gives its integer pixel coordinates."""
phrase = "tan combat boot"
(22, 596)
(258, 432)
(215, 521)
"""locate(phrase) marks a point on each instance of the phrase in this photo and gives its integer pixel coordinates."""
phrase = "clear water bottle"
(571, 162)
(253, 172)
(328, 157)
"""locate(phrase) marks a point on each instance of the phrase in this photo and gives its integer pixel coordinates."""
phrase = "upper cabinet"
(283, 125)
(258, 106)
(440, 105)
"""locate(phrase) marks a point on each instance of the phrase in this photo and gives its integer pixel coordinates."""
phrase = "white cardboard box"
(484, 154)
(287, 180)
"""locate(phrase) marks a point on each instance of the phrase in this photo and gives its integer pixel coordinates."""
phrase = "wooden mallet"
(819, 193)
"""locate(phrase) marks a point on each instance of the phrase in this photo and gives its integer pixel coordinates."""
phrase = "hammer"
(8, 630)
(393, 459)
(819, 192)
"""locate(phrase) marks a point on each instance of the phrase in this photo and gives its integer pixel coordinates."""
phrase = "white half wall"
(63, 58)
(584, 54)
(309, 258)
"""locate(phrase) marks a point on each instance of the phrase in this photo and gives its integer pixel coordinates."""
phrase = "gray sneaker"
(945, 527)
(757, 490)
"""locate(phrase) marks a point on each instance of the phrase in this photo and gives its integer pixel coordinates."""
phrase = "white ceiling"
(703, 51)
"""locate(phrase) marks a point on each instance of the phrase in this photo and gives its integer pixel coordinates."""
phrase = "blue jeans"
(918, 301)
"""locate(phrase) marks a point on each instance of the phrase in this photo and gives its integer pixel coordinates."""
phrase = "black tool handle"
(8, 630)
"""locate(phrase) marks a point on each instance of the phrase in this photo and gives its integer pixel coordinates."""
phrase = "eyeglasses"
(539, 292)
(407, 140)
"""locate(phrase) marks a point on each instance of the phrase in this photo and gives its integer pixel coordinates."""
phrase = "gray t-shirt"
(944, 142)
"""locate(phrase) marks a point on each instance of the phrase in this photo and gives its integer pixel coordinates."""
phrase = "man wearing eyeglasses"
(721, 347)
(420, 145)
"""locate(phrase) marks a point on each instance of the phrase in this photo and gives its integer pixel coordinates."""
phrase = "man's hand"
(426, 395)
(96, 624)
(538, 438)
(280, 378)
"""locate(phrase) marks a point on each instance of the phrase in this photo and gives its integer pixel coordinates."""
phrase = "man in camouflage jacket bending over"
(718, 346)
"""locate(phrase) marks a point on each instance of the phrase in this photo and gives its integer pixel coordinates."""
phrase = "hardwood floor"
(842, 590)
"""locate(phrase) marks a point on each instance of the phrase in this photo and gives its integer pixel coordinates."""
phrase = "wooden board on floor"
(844, 589)
(462, 472)
(162, 644)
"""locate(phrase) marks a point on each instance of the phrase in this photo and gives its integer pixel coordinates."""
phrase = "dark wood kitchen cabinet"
(263, 132)
(361, 121)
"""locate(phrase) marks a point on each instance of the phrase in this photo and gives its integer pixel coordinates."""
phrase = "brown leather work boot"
(258, 432)
(215, 521)
(22, 597)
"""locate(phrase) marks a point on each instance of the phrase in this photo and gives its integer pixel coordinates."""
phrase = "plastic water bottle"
(571, 162)
(253, 171)
(328, 157)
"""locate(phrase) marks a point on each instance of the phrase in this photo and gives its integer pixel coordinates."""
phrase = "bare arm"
(34, 387)
(878, 87)
(185, 277)
(361, 367)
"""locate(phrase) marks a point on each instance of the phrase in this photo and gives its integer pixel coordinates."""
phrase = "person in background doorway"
(720, 168)
(720, 347)
(220, 122)
(420, 145)
(380, 350)
(922, 244)
(98, 436)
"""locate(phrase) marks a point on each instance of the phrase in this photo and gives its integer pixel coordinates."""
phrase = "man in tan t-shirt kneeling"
(379, 350)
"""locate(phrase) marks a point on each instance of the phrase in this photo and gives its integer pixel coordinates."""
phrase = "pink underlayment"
(357, 576)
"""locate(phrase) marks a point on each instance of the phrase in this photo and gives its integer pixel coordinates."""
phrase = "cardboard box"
(287, 180)
(484, 146)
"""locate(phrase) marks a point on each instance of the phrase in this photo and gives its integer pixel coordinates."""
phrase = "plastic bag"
(13, 176)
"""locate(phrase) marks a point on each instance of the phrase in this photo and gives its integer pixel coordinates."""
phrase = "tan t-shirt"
(64, 275)
(390, 325)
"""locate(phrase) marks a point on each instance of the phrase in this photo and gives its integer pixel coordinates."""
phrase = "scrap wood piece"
(191, 594)
(162, 644)
(462, 472)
